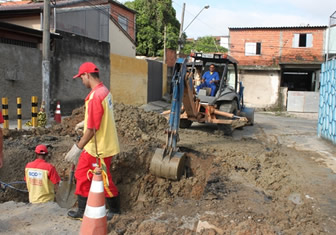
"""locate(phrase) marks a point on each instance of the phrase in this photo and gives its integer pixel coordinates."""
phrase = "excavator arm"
(168, 162)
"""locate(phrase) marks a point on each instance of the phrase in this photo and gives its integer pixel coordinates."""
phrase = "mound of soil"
(245, 187)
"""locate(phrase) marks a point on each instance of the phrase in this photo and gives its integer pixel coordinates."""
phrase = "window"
(302, 40)
(123, 22)
(252, 48)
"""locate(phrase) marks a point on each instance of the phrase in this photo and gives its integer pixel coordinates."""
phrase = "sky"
(223, 14)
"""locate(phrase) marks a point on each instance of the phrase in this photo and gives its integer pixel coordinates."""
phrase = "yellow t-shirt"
(99, 115)
(40, 178)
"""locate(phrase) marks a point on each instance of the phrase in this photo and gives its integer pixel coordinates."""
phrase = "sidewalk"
(156, 106)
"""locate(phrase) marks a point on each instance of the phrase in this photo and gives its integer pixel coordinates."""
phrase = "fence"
(326, 127)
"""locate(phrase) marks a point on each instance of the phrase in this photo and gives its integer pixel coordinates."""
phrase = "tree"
(203, 44)
(152, 17)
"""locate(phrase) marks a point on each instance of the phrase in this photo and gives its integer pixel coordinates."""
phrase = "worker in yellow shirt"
(41, 177)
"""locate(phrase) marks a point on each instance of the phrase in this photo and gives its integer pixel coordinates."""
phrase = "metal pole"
(46, 57)
(181, 31)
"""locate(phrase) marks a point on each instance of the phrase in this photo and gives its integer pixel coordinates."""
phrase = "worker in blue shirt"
(210, 79)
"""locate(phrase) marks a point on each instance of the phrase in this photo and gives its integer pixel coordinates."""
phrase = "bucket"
(249, 114)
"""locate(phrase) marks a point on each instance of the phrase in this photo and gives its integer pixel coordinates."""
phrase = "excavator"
(226, 109)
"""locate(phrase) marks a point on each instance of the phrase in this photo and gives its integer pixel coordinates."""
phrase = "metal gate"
(154, 91)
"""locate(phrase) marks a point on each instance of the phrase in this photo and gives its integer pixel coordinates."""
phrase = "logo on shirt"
(109, 101)
(35, 174)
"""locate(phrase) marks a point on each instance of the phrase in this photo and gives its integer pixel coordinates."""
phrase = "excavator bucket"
(169, 162)
(165, 166)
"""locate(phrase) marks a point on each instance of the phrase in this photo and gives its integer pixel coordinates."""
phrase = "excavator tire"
(185, 123)
(229, 107)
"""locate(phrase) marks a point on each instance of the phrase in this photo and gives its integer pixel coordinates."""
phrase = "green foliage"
(151, 19)
(203, 44)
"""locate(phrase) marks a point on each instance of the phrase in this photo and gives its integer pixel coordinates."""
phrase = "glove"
(73, 154)
(79, 125)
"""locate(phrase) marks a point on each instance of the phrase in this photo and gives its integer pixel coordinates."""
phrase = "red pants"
(85, 163)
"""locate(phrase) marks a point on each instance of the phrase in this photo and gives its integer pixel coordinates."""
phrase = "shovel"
(65, 196)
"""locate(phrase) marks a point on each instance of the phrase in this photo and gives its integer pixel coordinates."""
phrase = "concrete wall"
(261, 88)
(21, 75)
(303, 101)
(129, 80)
(70, 52)
(120, 44)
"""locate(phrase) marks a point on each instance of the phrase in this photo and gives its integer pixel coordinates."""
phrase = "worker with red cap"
(41, 177)
(1, 141)
(98, 144)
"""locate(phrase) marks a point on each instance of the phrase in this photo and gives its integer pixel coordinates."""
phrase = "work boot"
(78, 215)
(113, 204)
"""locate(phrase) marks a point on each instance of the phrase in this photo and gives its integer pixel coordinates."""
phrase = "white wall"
(261, 88)
(119, 43)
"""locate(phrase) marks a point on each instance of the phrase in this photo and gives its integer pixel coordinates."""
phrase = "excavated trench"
(138, 132)
(246, 186)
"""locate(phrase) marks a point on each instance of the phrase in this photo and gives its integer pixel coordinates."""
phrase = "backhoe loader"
(226, 108)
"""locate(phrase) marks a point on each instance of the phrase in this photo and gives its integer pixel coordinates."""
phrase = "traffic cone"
(94, 219)
(58, 117)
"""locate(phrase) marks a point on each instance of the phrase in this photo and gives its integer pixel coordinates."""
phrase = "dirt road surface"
(276, 177)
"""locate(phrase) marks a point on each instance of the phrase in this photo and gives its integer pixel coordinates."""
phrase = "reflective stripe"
(95, 212)
(97, 187)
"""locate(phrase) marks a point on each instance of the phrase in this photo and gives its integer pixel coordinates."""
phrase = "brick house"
(102, 20)
(274, 60)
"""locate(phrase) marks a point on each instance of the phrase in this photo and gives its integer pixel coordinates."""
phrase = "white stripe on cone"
(95, 212)
(97, 187)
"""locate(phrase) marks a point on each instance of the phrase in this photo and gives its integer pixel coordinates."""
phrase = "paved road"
(296, 132)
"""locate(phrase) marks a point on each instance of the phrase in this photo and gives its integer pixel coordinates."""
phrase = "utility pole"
(164, 45)
(181, 31)
(46, 58)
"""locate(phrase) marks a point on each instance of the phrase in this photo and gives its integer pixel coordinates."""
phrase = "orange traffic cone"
(57, 116)
(94, 219)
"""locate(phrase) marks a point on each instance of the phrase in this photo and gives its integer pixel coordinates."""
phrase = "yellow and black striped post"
(19, 114)
(5, 112)
(34, 111)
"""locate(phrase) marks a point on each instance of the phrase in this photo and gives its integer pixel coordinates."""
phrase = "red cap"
(41, 149)
(87, 67)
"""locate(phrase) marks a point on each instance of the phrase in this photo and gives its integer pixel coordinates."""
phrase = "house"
(274, 60)
(103, 20)
(223, 41)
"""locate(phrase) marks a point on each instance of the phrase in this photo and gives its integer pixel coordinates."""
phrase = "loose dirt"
(250, 186)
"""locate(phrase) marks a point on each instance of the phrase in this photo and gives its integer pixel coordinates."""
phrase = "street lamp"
(181, 29)
(205, 7)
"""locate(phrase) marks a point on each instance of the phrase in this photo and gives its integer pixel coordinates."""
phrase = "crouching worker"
(41, 177)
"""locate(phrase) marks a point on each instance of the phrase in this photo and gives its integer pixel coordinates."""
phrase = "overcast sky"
(246, 13)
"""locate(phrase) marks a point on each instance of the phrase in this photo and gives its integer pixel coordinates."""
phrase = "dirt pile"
(245, 187)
